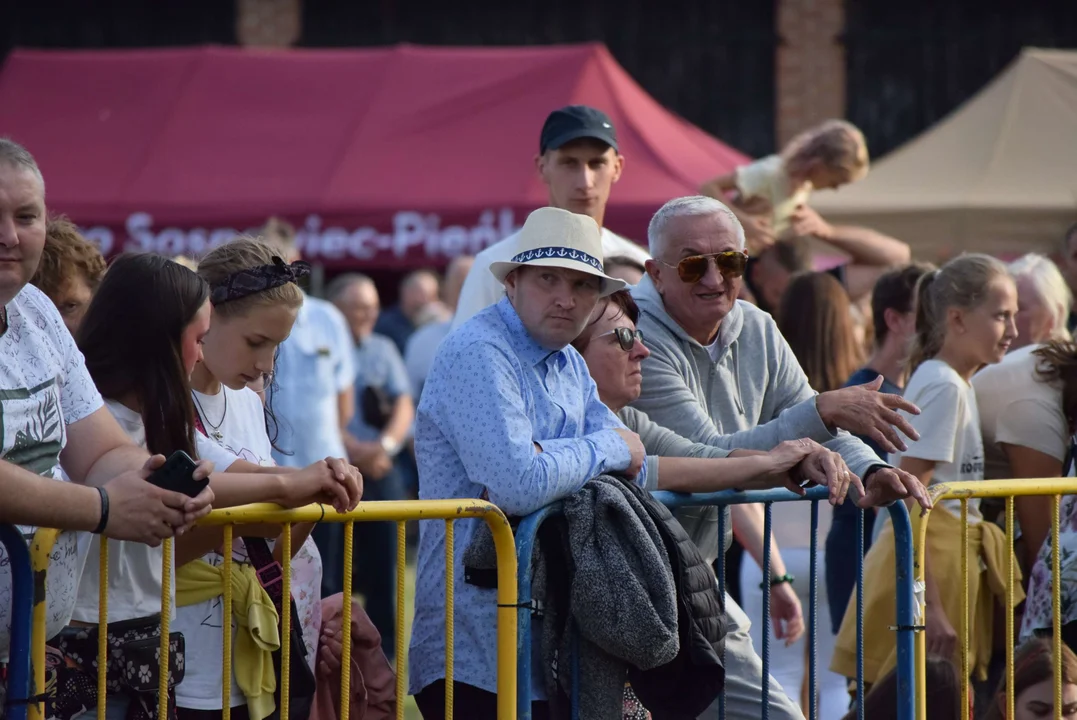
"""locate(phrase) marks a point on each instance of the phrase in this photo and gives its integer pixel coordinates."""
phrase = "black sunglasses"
(692, 268)
(626, 338)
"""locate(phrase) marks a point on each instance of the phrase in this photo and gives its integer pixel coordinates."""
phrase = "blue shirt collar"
(522, 342)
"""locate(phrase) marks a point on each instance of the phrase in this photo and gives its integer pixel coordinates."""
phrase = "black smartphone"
(177, 475)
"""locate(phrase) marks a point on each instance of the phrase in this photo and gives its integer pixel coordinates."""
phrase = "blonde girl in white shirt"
(965, 319)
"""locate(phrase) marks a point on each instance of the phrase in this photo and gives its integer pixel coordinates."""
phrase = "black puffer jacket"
(687, 686)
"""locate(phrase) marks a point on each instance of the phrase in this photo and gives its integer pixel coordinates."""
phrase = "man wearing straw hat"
(510, 413)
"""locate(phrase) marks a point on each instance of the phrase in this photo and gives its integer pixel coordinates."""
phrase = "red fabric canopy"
(388, 157)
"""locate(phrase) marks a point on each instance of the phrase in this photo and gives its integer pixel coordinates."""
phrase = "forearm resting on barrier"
(30, 499)
(331, 481)
(241, 488)
(700, 475)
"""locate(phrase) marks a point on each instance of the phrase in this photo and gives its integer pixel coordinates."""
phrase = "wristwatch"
(390, 446)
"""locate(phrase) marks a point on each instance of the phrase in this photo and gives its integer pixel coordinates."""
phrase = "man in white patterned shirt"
(51, 416)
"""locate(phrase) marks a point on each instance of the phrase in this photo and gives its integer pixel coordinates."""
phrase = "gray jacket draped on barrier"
(636, 597)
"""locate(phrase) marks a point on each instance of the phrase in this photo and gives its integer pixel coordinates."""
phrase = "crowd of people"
(563, 363)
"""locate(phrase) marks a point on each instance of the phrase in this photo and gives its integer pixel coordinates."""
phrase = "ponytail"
(960, 283)
(927, 341)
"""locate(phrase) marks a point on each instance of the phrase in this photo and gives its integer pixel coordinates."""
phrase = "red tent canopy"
(384, 158)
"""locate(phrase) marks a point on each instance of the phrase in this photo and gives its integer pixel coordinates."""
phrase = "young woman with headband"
(254, 302)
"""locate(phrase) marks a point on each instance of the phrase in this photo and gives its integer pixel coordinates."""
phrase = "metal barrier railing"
(1009, 490)
(22, 600)
(395, 511)
(526, 535)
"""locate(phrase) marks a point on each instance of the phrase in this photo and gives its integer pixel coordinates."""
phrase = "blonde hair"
(1050, 286)
(187, 262)
(242, 253)
(836, 144)
(960, 283)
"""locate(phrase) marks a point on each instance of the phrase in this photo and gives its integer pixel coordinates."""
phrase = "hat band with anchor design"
(562, 253)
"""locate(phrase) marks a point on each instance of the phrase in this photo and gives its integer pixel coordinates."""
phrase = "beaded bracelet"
(778, 580)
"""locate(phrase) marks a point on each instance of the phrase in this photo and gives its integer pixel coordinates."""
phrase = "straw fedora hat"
(558, 238)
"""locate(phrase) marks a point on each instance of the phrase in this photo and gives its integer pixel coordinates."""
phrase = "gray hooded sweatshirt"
(753, 396)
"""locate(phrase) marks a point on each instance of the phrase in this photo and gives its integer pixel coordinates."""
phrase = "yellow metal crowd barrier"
(398, 511)
(1009, 490)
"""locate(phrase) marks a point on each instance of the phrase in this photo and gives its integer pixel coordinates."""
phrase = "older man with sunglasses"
(721, 374)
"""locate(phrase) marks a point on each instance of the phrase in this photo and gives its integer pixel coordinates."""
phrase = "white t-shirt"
(481, 289)
(765, 189)
(134, 569)
(714, 350)
(1017, 409)
(949, 427)
(243, 431)
(44, 387)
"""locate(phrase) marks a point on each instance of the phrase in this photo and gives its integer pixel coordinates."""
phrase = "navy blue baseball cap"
(574, 122)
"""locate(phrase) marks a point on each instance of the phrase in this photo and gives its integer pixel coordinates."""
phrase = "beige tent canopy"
(997, 175)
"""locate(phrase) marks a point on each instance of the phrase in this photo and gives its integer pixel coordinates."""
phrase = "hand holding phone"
(177, 475)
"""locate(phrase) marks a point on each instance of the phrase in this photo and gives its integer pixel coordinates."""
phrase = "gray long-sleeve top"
(701, 523)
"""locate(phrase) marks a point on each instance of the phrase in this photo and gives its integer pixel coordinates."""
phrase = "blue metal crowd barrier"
(526, 536)
(22, 603)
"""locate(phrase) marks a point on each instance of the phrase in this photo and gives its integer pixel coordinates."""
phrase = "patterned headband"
(256, 279)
